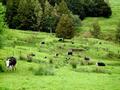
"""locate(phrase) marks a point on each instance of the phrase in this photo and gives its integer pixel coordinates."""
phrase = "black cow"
(100, 64)
(42, 42)
(86, 58)
(11, 62)
(70, 53)
(61, 40)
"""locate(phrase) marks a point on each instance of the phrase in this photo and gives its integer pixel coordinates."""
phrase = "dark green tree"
(29, 15)
(11, 12)
(65, 28)
(47, 18)
(63, 8)
(2, 25)
(38, 12)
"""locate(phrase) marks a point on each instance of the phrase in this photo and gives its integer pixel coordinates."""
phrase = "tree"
(96, 32)
(4, 2)
(118, 33)
(65, 28)
(11, 11)
(47, 18)
(38, 11)
(63, 8)
(101, 8)
(53, 2)
(1, 34)
(76, 6)
(2, 26)
(29, 15)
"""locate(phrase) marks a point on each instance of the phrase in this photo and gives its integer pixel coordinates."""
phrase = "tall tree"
(38, 11)
(65, 28)
(11, 11)
(63, 8)
(28, 15)
(2, 26)
(47, 19)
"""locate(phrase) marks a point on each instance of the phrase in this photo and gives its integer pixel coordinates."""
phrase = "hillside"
(107, 25)
(62, 76)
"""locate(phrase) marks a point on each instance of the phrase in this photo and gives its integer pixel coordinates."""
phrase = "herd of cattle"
(12, 61)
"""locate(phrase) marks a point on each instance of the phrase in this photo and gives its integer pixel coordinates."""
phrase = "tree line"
(36, 14)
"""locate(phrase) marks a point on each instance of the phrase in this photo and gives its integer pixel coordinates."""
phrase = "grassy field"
(84, 77)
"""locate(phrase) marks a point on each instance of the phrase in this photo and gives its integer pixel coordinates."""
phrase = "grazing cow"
(42, 42)
(72, 42)
(45, 57)
(11, 62)
(86, 58)
(100, 64)
(61, 40)
(100, 43)
(56, 54)
(70, 52)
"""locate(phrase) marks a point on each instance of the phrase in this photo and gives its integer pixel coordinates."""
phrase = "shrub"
(44, 70)
(65, 28)
(111, 54)
(96, 32)
(74, 63)
(83, 62)
(30, 68)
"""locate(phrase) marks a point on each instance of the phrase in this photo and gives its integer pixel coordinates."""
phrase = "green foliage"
(4, 2)
(96, 32)
(74, 63)
(86, 8)
(77, 7)
(65, 28)
(118, 33)
(63, 8)
(2, 26)
(11, 11)
(48, 20)
(1, 66)
(44, 70)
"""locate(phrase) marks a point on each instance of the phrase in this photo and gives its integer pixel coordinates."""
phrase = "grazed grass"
(84, 77)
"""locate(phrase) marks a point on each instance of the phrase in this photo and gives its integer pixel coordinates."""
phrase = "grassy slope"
(65, 78)
(107, 25)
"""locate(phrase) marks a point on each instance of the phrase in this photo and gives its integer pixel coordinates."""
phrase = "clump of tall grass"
(74, 63)
(1, 67)
(94, 69)
(44, 70)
